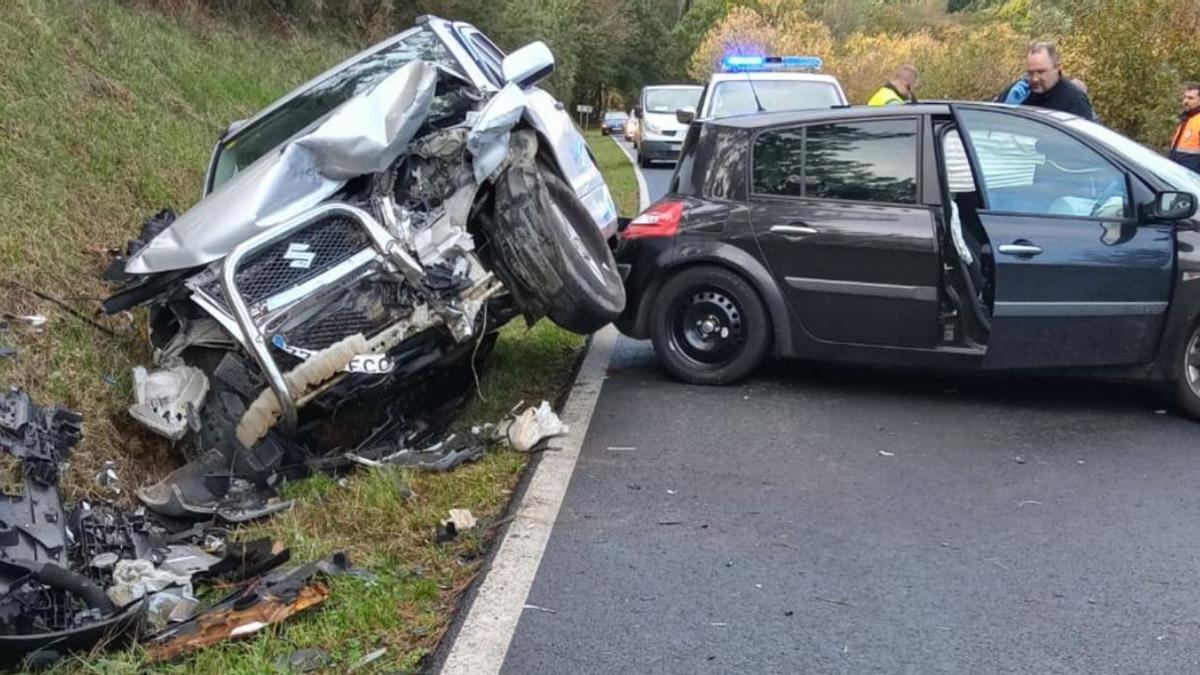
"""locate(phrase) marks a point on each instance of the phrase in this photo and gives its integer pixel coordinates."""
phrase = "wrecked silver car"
(373, 227)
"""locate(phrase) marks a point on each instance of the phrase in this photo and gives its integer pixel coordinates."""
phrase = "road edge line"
(487, 631)
(643, 189)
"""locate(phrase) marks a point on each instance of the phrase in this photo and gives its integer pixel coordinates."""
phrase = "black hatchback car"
(955, 235)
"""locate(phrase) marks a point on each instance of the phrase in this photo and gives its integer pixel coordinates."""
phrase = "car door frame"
(1139, 189)
(928, 183)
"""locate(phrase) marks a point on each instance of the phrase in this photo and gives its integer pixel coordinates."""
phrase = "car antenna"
(754, 91)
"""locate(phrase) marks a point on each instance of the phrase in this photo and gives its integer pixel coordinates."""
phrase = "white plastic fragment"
(135, 579)
(533, 426)
(167, 401)
(462, 519)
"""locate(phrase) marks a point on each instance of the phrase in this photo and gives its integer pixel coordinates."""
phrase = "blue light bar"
(812, 62)
(733, 62)
(739, 63)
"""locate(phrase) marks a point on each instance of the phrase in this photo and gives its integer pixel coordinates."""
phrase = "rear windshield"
(737, 97)
(613, 117)
(670, 100)
(286, 121)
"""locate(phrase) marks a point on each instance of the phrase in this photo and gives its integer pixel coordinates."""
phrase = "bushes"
(1135, 56)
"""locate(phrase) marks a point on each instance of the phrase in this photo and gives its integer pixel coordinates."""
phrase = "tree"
(785, 29)
(687, 33)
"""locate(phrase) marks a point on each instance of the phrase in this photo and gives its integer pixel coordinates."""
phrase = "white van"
(660, 133)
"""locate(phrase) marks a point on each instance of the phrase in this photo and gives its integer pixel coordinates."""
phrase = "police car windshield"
(248, 144)
(670, 100)
(736, 97)
(1178, 177)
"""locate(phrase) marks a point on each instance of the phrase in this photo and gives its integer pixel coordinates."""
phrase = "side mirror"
(685, 115)
(637, 112)
(1173, 206)
(529, 65)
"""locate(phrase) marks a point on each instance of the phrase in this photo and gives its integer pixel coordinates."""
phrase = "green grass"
(107, 113)
(386, 520)
(617, 170)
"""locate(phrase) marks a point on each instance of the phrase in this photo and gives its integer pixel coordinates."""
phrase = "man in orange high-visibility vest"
(1185, 148)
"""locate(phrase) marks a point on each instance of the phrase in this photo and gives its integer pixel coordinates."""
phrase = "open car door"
(1078, 281)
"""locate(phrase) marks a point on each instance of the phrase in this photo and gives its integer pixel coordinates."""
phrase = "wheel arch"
(734, 259)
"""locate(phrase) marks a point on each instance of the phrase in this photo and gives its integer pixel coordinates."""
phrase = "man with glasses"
(1044, 86)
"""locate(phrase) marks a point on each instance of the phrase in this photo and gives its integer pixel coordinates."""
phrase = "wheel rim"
(707, 326)
(596, 269)
(1191, 362)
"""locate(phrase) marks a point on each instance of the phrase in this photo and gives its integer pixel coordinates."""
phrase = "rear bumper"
(640, 263)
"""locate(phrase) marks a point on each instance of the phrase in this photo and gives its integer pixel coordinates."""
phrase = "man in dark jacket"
(1044, 85)
(1185, 145)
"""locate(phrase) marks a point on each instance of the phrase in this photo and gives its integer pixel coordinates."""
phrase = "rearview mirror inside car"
(529, 65)
(1174, 205)
(685, 115)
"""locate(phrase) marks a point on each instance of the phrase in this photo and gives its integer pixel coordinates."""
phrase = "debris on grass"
(532, 426)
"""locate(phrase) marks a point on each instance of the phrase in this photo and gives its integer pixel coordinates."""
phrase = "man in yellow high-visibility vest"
(900, 89)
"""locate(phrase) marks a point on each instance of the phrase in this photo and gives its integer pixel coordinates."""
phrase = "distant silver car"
(379, 221)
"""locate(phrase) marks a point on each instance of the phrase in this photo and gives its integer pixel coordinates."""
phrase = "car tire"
(549, 247)
(709, 326)
(642, 160)
(1187, 374)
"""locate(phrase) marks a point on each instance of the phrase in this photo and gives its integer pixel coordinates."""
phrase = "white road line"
(643, 190)
(487, 631)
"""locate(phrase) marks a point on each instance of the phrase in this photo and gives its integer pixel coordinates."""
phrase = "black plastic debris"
(205, 488)
(45, 606)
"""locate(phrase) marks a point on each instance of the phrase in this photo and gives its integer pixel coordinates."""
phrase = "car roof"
(774, 75)
(769, 119)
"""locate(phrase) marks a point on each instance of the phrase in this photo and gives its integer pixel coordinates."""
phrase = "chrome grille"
(300, 257)
(335, 326)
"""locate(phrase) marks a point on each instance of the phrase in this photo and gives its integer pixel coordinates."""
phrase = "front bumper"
(661, 148)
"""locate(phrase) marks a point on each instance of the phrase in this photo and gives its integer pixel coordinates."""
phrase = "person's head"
(1042, 66)
(906, 80)
(1191, 97)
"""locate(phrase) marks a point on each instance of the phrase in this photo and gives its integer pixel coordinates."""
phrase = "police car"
(750, 84)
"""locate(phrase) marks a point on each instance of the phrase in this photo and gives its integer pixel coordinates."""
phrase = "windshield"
(615, 117)
(736, 97)
(1178, 177)
(670, 100)
(284, 122)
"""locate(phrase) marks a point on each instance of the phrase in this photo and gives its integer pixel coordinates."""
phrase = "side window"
(779, 163)
(862, 161)
(489, 56)
(1032, 168)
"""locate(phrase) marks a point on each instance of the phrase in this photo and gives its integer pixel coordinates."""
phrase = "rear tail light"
(660, 220)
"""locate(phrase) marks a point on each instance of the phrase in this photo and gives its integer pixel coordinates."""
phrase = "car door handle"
(793, 229)
(1020, 249)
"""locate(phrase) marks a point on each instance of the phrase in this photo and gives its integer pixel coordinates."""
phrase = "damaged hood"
(364, 135)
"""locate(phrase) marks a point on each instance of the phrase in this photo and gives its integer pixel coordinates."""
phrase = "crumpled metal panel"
(488, 140)
(364, 135)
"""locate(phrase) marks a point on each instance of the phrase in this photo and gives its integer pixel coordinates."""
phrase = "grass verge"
(107, 113)
(618, 172)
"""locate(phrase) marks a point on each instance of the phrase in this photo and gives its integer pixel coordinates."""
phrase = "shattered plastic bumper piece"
(168, 401)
